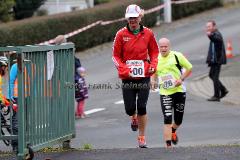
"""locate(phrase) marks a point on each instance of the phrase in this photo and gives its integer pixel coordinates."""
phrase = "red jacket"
(128, 46)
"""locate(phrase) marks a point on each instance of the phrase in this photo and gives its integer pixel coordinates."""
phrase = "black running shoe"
(223, 94)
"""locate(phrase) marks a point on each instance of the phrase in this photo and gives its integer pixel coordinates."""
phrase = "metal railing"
(45, 102)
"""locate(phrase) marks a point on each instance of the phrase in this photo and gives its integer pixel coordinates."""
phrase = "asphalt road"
(110, 128)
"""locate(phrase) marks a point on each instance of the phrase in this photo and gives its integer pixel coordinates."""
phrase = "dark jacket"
(77, 63)
(81, 90)
(216, 51)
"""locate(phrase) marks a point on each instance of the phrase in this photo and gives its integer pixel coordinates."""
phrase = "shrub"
(183, 10)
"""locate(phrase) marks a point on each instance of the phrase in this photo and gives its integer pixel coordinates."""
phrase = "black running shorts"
(135, 95)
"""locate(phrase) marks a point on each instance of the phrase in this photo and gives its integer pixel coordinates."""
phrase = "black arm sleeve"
(216, 37)
(77, 63)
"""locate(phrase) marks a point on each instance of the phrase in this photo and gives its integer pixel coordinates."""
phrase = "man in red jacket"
(135, 53)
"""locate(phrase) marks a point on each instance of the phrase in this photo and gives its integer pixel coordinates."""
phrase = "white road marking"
(119, 102)
(94, 110)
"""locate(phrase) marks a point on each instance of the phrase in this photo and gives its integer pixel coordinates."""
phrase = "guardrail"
(45, 103)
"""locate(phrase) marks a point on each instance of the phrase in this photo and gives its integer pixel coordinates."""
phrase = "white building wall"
(59, 6)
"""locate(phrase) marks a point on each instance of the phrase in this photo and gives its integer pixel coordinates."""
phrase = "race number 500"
(137, 67)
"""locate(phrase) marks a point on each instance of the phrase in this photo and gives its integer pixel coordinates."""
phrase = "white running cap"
(133, 10)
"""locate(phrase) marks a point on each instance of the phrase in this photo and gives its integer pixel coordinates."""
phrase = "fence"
(45, 102)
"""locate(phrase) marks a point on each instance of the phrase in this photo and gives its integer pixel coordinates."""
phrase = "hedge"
(183, 10)
(39, 29)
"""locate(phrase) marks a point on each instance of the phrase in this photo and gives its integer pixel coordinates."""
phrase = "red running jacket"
(128, 46)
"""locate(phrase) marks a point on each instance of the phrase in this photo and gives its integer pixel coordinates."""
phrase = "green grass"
(87, 146)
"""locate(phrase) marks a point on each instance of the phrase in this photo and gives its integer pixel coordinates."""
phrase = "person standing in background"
(61, 39)
(81, 92)
(216, 57)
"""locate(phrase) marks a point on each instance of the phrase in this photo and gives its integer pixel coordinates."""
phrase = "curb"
(202, 86)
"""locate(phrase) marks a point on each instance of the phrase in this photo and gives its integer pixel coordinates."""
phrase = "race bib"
(137, 67)
(167, 81)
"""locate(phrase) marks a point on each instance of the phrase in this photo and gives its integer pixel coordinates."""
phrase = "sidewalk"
(178, 153)
(202, 86)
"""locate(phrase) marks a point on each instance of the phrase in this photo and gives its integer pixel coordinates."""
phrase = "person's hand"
(178, 82)
(151, 70)
(130, 73)
(154, 85)
(208, 33)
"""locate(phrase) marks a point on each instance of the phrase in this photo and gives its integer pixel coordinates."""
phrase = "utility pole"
(167, 11)
(88, 3)
(158, 21)
(57, 4)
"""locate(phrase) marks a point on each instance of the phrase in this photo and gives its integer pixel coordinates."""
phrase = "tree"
(5, 8)
(26, 8)
(96, 2)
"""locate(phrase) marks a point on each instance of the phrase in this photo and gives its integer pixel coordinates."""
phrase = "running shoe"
(174, 138)
(142, 142)
(134, 124)
(168, 146)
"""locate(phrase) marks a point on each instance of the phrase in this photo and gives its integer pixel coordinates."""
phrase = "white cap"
(133, 10)
(80, 70)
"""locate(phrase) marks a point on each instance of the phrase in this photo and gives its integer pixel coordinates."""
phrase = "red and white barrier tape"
(154, 9)
(113, 21)
(73, 33)
(184, 1)
(51, 41)
(157, 8)
(81, 29)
